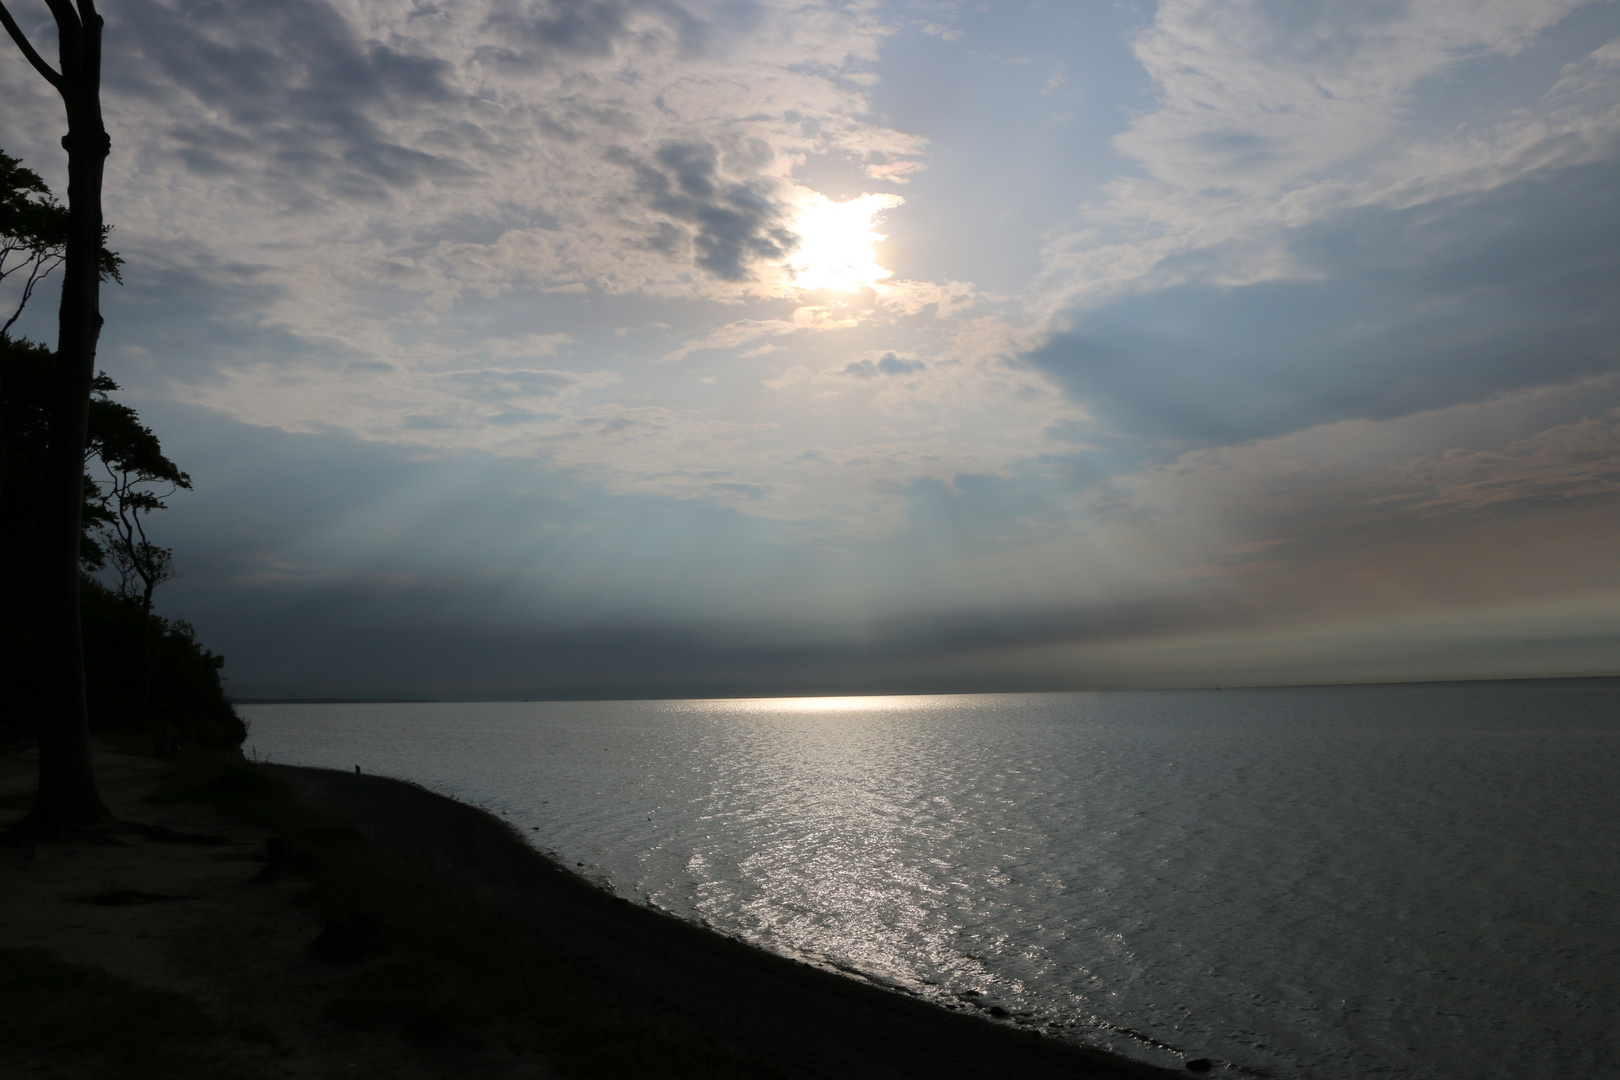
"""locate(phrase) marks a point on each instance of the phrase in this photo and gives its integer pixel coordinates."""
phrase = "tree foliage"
(142, 671)
(33, 235)
(138, 478)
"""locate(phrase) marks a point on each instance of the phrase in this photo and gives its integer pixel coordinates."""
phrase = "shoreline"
(802, 1019)
(291, 923)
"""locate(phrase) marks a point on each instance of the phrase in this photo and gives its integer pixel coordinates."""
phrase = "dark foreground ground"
(247, 922)
(804, 1021)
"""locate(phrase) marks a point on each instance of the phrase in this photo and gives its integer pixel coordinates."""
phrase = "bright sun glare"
(835, 242)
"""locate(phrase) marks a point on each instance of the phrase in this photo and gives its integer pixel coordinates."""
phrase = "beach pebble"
(1200, 1065)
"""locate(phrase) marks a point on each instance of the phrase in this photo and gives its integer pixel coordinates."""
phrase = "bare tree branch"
(34, 58)
(135, 557)
(66, 17)
(39, 267)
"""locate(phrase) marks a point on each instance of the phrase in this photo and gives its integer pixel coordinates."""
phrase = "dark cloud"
(345, 647)
(295, 75)
(536, 34)
(390, 634)
(1413, 309)
(488, 577)
(887, 364)
(733, 222)
(197, 315)
(511, 581)
(349, 644)
(394, 634)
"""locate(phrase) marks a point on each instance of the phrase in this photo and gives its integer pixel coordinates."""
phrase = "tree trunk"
(67, 786)
(146, 655)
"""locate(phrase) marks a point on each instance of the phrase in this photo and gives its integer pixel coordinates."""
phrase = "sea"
(1414, 881)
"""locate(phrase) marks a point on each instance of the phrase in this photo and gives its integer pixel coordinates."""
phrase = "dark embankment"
(804, 1021)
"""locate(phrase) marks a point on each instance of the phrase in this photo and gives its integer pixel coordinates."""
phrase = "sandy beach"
(224, 927)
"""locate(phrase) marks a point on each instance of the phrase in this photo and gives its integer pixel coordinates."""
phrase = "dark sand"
(804, 1021)
(215, 932)
(234, 944)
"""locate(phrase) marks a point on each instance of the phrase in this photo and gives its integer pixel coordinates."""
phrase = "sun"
(836, 242)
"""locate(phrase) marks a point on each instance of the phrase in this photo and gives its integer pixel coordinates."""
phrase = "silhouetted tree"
(33, 238)
(143, 672)
(33, 231)
(33, 234)
(139, 478)
(67, 792)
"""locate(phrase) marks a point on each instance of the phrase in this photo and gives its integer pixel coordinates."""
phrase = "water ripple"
(1401, 882)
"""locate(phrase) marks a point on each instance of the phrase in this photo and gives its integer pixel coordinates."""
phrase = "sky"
(627, 348)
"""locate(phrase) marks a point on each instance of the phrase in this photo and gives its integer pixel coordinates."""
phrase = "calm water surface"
(1408, 882)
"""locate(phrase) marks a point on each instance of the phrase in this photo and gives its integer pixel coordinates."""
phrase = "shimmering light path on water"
(1413, 882)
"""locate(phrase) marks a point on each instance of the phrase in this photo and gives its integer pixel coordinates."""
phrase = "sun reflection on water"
(1106, 863)
(875, 703)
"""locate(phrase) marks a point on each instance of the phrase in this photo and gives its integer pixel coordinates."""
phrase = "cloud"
(894, 172)
(402, 160)
(1327, 542)
(1257, 95)
(399, 223)
(1274, 116)
(538, 37)
(395, 220)
(1347, 485)
(947, 298)
(456, 409)
(809, 317)
(508, 384)
(1397, 310)
(293, 90)
(1571, 461)
(526, 345)
(887, 364)
(734, 222)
